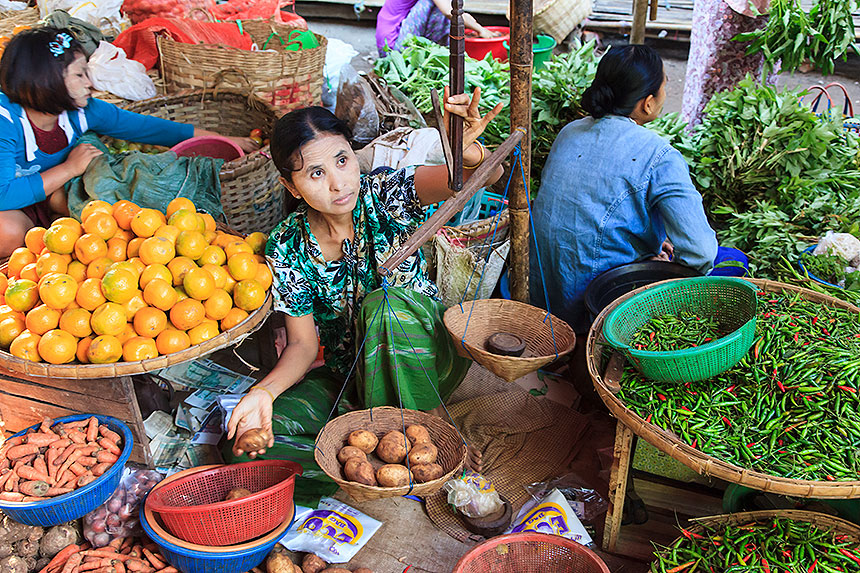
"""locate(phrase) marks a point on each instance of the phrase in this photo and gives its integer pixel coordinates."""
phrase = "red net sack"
(140, 10)
(259, 10)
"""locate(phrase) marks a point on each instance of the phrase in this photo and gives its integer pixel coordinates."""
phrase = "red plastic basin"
(479, 47)
(208, 146)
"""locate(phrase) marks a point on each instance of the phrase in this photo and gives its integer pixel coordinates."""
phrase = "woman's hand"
(252, 411)
(485, 33)
(247, 144)
(79, 159)
(467, 108)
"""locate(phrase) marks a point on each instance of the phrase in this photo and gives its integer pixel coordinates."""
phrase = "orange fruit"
(139, 348)
(212, 255)
(149, 322)
(57, 346)
(77, 270)
(62, 238)
(186, 314)
(160, 294)
(219, 274)
(208, 222)
(156, 250)
(10, 329)
(133, 305)
(218, 305)
(138, 265)
(172, 341)
(237, 246)
(76, 322)
(89, 248)
(249, 295)
(124, 211)
(102, 225)
(124, 235)
(29, 272)
(229, 281)
(104, 349)
(108, 318)
(155, 271)
(42, 319)
(68, 222)
(98, 268)
(209, 236)
(33, 239)
(19, 258)
(26, 346)
(178, 267)
(257, 241)
(4, 282)
(119, 284)
(180, 293)
(117, 249)
(168, 232)
(203, 331)
(242, 266)
(184, 220)
(190, 244)
(234, 317)
(96, 206)
(145, 222)
(127, 333)
(199, 284)
(7, 312)
(58, 290)
(133, 247)
(89, 295)
(264, 276)
(83, 346)
(179, 203)
(22, 295)
(201, 222)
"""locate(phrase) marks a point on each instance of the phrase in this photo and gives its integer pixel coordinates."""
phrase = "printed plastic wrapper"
(334, 531)
(118, 516)
(473, 495)
(552, 515)
(586, 503)
(845, 245)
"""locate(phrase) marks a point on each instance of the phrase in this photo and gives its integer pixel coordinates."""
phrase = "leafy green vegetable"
(830, 268)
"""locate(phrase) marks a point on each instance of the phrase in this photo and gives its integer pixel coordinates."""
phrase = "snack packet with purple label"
(473, 495)
(334, 531)
(552, 515)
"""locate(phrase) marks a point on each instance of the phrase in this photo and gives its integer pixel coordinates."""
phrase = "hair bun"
(599, 100)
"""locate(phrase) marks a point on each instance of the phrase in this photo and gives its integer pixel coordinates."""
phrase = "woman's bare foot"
(474, 459)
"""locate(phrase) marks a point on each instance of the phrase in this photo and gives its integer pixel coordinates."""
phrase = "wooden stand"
(621, 460)
(25, 400)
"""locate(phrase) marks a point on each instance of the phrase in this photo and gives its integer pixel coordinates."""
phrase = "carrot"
(72, 563)
(110, 446)
(45, 426)
(134, 564)
(109, 434)
(61, 557)
(86, 479)
(105, 456)
(71, 448)
(92, 429)
(39, 464)
(77, 469)
(90, 449)
(31, 473)
(96, 564)
(119, 567)
(100, 468)
(69, 461)
(136, 551)
(76, 423)
(125, 544)
(13, 441)
(104, 553)
(77, 436)
(156, 562)
(167, 570)
(11, 496)
(4, 463)
(36, 488)
(60, 444)
(34, 498)
(21, 451)
(41, 439)
(87, 461)
(4, 476)
(12, 482)
(108, 569)
(55, 491)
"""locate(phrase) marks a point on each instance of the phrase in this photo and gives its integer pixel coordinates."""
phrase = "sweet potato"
(363, 440)
(313, 564)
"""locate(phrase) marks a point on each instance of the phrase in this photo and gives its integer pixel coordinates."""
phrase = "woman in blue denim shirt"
(614, 192)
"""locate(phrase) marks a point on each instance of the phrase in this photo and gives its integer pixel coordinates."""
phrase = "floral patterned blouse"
(388, 211)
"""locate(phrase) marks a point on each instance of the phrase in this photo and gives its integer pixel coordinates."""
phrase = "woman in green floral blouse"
(325, 258)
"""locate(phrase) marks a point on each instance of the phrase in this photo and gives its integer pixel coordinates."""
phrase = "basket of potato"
(388, 452)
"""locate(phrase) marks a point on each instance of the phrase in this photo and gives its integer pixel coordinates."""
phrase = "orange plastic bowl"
(478, 47)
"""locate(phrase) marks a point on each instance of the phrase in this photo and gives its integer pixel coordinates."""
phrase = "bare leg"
(58, 203)
(473, 454)
(13, 226)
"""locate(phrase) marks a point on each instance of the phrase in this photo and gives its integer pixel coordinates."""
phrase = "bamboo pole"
(640, 13)
(521, 113)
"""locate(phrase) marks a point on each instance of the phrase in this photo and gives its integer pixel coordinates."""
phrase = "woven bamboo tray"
(696, 460)
(820, 520)
(286, 79)
(480, 319)
(381, 420)
(251, 196)
(9, 20)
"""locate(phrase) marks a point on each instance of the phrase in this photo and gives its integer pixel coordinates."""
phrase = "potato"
(363, 440)
(336, 570)
(392, 448)
(417, 434)
(392, 475)
(253, 440)
(58, 538)
(313, 564)
(359, 471)
(423, 453)
(347, 452)
(362, 570)
(427, 472)
(13, 564)
(237, 493)
(279, 563)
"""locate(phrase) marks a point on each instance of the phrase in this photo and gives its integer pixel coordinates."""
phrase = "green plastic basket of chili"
(685, 330)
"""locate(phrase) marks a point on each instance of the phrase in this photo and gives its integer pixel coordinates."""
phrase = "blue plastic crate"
(483, 205)
(83, 500)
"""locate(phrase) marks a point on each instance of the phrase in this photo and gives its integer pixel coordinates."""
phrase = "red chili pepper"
(730, 389)
(850, 555)
(695, 443)
(764, 565)
(847, 389)
(811, 567)
(779, 441)
(707, 339)
(648, 419)
(661, 397)
(651, 336)
(825, 331)
(830, 478)
(751, 444)
(686, 409)
(691, 535)
(755, 349)
(727, 421)
(814, 320)
(786, 554)
(780, 386)
(796, 338)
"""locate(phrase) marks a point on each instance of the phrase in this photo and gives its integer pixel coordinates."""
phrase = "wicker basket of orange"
(127, 290)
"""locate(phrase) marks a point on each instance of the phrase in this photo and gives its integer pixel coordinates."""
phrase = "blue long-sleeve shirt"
(611, 192)
(21, 161)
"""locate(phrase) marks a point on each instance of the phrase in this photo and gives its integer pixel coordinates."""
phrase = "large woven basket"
(286, 79)
(820, 520)
(9, 20)
(530, 553)
(380, 421)
(673, 446)
(558, 18)
(251, 196)
(547, 337)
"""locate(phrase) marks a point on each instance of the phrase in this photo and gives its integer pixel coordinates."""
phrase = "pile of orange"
(127, 284)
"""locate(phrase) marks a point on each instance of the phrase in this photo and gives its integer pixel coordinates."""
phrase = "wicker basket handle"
(218, 79)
